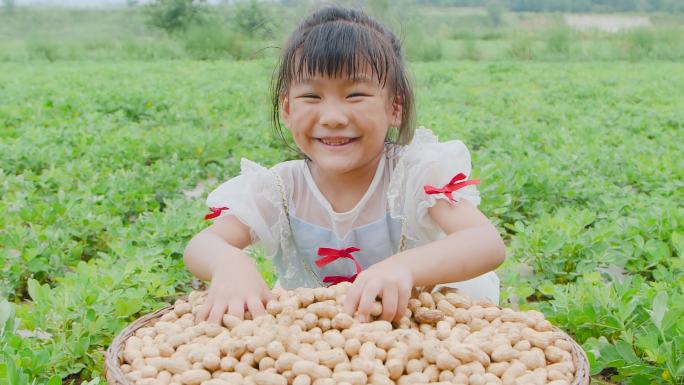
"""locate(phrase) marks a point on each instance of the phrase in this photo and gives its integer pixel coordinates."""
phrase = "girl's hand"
(391, 281)
(234, 289)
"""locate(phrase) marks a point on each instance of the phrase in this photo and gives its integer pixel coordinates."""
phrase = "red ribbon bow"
(215, 212)
(330, 255)
(452, 186)
(335, 279)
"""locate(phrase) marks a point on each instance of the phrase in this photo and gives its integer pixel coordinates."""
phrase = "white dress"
(396, 203)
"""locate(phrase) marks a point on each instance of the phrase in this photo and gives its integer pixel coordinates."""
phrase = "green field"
(581, 165)
(428, 34)
(113, 132)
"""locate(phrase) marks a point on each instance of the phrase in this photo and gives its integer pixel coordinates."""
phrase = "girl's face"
(340, 124)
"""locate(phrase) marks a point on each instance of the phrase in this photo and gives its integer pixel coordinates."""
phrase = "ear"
(396, 110)
(285, 108)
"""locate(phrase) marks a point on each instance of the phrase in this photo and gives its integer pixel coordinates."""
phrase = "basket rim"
(114, 353)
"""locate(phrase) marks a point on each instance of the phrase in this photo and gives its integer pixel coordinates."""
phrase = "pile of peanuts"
(306, 339)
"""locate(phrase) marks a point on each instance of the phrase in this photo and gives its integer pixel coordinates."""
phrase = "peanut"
(558, 382)
(458, 300)
(424, 315)
(533, 359)
(504, 353)
(539, 339)
(302, 379)
(512, 373)
(311, 369)
(378, 379)
(354, 378)
(332, 357)
(498, 368)
(305, 339)
(446, 361)
(266, 378)
(426, 300)
(395, 367)
(195, 377)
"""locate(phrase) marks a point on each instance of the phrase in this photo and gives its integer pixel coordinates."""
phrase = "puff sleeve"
(427, 171)
(255, 199)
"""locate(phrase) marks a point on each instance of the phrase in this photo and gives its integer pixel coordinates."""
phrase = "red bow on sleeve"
(215, 212)
(330, 255)
(454, 184)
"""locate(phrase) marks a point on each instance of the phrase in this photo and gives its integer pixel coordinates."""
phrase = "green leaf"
(14, 377)
(55, 380)
(626, 352)
(127, 306)
(595, 365)
(85, 344)
(659, 309)
(6, 315)
(639, 380)
(639, 240)
(554, 243)
(592, 277)
(33, 289)
(657, 249)
(91, 315)
(90, 298)
(547, 288)
(678, 243)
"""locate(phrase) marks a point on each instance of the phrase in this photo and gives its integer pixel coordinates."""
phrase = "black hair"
(337, 42)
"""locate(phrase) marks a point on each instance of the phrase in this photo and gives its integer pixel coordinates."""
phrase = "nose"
(333, 115)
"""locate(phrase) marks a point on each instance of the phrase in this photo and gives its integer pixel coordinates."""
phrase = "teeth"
(336, 142)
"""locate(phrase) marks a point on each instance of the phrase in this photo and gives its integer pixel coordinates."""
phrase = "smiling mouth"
(336, 141)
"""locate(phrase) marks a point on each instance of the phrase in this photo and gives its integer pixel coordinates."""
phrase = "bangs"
(346, 44)
(337, 49)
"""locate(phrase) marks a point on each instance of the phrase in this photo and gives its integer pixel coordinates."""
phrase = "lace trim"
(396, 197)
(274, 196)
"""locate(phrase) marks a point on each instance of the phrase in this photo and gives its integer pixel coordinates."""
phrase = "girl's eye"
(309, 96)
(356, 95)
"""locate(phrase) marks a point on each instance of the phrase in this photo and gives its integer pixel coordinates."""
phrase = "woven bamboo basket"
(114, 355)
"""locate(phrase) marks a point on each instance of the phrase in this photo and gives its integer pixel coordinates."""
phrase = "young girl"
(371, 203)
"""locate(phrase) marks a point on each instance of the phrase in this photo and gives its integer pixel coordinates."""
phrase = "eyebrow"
(355, 79)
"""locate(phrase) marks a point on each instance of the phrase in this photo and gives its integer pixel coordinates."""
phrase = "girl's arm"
(216, 254)
(472, 247)
(222, 241)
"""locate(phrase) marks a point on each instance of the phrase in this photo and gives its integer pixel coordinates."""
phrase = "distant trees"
(253, 19)
(174, 15)
(595, 5)
(572, 5)
(250, 18)
(9, 5)
(494, 11)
